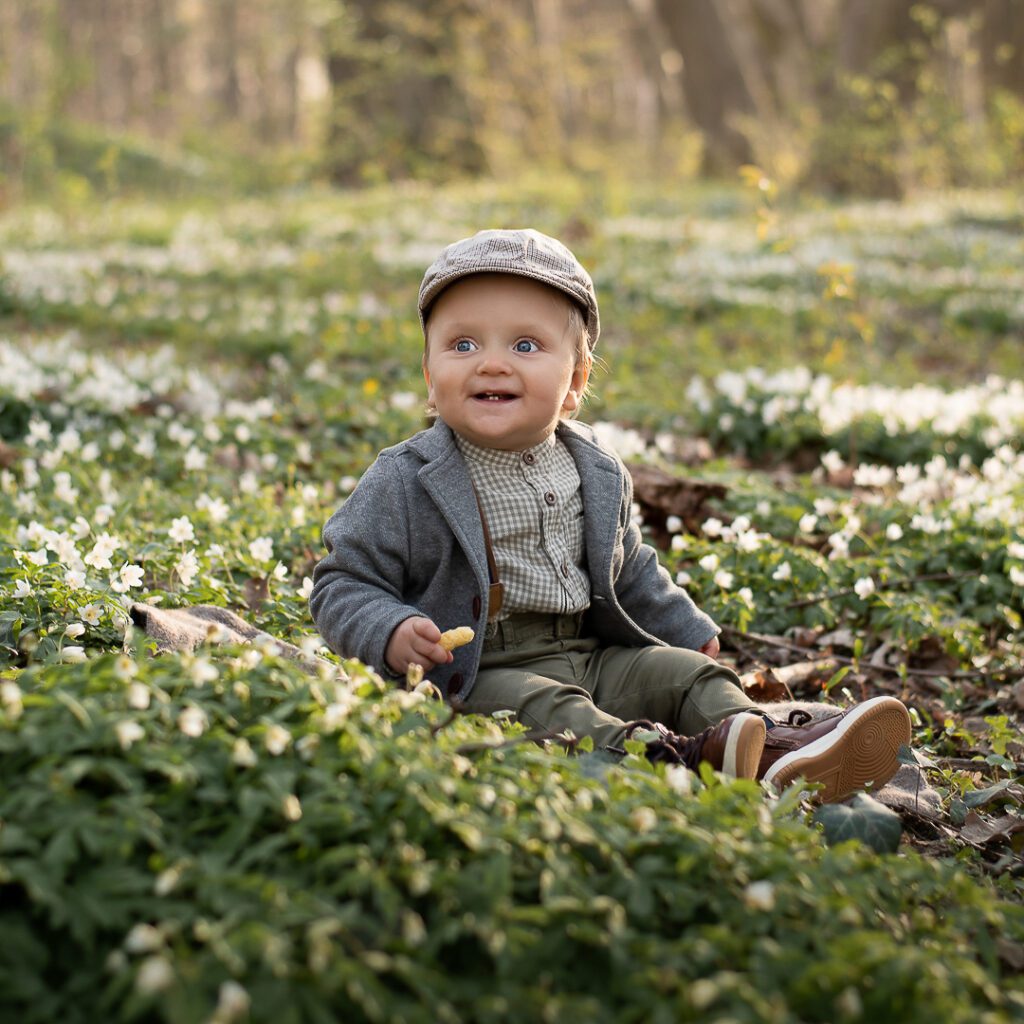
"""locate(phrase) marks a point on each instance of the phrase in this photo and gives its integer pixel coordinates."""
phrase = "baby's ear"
(426, 377)
(578, 384)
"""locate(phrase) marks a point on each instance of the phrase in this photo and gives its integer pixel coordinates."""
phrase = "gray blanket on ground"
(185, 629)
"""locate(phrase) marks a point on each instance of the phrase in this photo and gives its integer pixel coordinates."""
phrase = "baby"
(508, 516)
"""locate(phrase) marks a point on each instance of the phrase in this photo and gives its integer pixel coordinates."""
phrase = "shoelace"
(692, 747)
(673, 749)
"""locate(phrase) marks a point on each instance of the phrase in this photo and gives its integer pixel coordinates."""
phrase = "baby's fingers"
(429, 654)
(426, 629)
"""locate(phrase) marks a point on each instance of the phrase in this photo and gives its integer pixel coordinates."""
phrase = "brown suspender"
(496, 592)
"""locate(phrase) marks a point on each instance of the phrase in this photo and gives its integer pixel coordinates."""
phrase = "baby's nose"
(494, 362)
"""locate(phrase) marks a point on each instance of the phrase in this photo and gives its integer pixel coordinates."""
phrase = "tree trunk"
(1002, 46)
(225, 57)
(714, 85)
(396, 103)
(160, 44)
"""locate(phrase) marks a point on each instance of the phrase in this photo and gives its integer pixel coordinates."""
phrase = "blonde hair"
(578, 326)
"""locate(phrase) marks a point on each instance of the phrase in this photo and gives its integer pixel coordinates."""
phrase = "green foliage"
(864, 819)
(70, 163)
(899, 124)
(324, 844)
(201, 838)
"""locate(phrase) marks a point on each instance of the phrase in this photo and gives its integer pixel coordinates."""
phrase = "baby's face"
(501, 365)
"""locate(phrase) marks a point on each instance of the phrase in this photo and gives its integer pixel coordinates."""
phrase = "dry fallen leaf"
(979, 830)
(256, 591)
(765, 687)
(1018, 695)
(660, 495)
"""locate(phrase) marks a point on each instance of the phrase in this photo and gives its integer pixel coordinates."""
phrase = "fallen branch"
(862, 665)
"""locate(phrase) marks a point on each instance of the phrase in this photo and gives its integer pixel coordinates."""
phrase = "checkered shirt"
(534, 512)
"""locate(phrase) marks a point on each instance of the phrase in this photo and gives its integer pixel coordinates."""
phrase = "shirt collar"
(501, 459)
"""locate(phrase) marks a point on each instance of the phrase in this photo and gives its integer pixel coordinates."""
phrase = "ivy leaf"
(863, 818)
(908, 755)
(10, 627)
(1005, 789)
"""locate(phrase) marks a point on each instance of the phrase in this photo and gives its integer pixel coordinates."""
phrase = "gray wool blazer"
(408, 541)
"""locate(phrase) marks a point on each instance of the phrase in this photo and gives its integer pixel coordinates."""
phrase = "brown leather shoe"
(846, 752)
(732, 747)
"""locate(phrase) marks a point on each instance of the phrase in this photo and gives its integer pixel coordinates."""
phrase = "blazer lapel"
(446, 480)
(601, 485)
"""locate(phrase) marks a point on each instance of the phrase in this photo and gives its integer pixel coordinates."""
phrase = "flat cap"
(521, 251)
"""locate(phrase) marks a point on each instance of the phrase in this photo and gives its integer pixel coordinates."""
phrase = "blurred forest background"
(862, 97)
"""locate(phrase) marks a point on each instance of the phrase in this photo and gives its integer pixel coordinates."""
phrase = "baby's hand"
(415, 641)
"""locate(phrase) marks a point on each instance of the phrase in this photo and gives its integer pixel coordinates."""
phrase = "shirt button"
(550, 498)
(477, 607)
(565, 569)
(529, 458)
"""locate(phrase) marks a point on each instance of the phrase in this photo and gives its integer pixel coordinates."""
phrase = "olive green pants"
(553, 679)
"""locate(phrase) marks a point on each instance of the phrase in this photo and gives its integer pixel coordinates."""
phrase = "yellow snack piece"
(458, 637)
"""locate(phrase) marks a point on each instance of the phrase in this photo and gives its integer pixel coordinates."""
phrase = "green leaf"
(907, 755)
(10, 627)
(980, 797)
(863, 818)
(838, 678)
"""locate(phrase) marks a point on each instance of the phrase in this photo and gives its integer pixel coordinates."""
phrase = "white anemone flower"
(202, 672)
(91, 613)
(262, 549)
(138, 696)
(242, 754)
(181, 530)
(724, 579)
(233, 1002)
(277, 739)
(128, 732)
(129, 576)
(192, 721)
(155, 975)
(74, 579)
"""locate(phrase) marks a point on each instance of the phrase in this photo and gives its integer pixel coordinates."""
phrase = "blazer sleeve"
(648, 594)
(356, 600)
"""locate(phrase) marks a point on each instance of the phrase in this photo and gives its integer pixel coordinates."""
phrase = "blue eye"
(464, 345)
(526, 345)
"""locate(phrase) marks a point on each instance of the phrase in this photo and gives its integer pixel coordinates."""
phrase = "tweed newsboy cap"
(521, 251)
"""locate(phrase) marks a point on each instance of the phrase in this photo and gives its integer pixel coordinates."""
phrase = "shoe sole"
(859, 752)
(743, 746)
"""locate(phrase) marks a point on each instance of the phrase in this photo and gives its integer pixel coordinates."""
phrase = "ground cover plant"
(185, 396)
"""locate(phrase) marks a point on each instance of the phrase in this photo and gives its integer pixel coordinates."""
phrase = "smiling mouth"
(494, 396)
